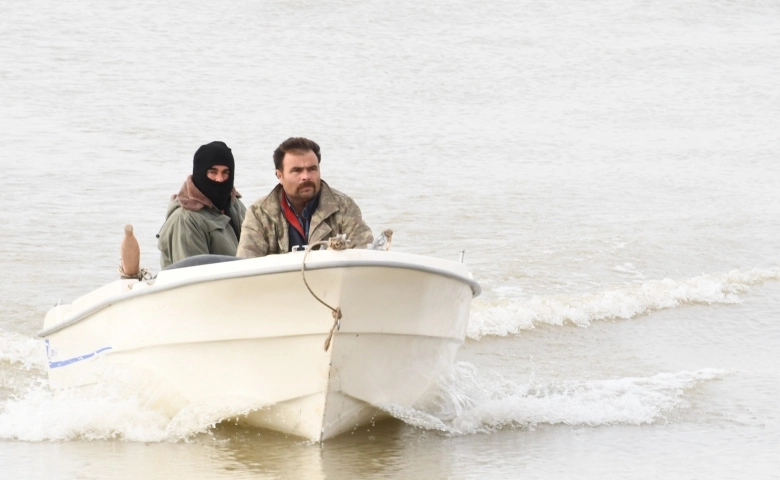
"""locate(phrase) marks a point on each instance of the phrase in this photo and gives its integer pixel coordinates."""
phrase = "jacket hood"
(190, 198)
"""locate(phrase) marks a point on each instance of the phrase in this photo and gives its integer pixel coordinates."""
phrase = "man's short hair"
(298, 146)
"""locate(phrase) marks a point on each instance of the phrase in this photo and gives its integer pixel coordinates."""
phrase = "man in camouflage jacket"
(302, 209)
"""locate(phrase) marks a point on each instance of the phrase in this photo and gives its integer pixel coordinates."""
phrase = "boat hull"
(250, 334)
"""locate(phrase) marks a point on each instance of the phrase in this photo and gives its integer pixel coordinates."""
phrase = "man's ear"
(278, 174)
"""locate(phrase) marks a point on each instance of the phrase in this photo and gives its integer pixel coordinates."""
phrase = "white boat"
(252, 331)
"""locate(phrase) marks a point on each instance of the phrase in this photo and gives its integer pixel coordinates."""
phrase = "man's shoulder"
(338, 196)
(268, 203)
(180, 222)
(179, 214)
(173, 206)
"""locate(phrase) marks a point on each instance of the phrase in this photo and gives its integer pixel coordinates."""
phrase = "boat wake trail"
(86, 414)
(124, 406)
(466, 403)
(507, 316)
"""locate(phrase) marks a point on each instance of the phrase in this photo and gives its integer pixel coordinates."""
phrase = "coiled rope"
(143, 274)
(338, 242)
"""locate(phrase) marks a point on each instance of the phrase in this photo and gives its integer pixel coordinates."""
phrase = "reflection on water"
(229, 451)
(395, 450)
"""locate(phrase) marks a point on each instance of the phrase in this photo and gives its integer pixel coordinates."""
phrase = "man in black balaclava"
(212, 172)
(206, 215)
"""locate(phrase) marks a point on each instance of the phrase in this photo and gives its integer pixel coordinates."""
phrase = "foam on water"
(87, 414)
(125, 406)
(18, 349)
(508, 316)
(466, 402)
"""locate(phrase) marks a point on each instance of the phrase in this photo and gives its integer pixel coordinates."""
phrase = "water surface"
(609, 167)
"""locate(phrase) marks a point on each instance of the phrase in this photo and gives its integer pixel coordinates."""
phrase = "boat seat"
(201, 260)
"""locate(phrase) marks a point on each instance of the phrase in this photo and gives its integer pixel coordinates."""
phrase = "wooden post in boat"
(130, 254)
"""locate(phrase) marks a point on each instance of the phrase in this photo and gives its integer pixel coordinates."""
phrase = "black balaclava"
(214, 153)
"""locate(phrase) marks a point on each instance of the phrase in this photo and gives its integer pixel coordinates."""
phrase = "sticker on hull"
(50, 353)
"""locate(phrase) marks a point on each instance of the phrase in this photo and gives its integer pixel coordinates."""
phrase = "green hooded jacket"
(194, 226)
(265, 230)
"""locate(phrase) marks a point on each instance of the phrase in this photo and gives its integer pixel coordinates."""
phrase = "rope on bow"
(338, 242)
(143, 274)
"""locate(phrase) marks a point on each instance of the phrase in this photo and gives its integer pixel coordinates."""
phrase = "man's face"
(300, 176)
(218, 173)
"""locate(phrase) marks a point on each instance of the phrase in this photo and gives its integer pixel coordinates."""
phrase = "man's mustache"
(306, 184)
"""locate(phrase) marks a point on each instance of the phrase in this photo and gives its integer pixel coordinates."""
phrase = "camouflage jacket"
(194, 226)
(265, 230)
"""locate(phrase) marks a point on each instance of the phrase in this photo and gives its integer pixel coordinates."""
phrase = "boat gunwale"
(328, 264)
